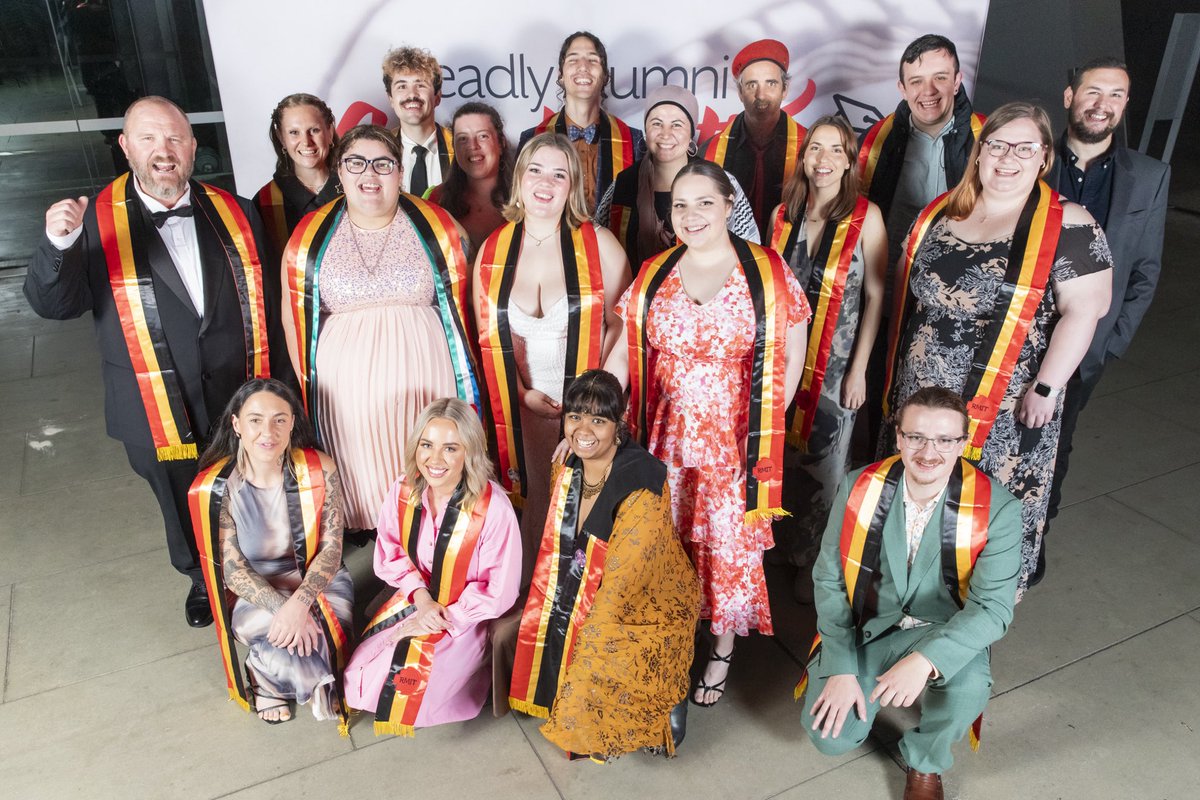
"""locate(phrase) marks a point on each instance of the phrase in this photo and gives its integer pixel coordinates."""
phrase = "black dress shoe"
(678, 721)
(196, 607)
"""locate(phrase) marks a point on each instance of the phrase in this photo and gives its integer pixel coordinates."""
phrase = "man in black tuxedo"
(1127, 194)
(169, 269)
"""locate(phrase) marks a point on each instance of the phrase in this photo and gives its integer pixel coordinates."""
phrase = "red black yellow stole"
(766, 278)
(304, 488)
(623, 214)
(1029, 263)
(274, 215)
(825, 290)
(874, 145)
(963, 536)
(130, 277)
(412, 660)
(568, 571)
(718, 146)
(616, 145)
(585, 326)
(447, 148)
(438, 235)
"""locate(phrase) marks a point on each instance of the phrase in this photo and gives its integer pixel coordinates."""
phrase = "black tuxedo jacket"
(1137, 216)
(208, 349)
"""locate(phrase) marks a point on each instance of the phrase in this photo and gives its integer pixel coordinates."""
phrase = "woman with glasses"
(1004, 285)
(374, 299)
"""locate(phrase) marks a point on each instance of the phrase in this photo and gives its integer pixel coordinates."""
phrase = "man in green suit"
(916, 579)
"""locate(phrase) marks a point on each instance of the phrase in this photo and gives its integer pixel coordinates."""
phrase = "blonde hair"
(795, 191)
(576, 212)
(477, 467)
(965, 195)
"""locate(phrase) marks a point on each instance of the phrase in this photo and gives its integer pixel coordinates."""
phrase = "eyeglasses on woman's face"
(998, 148)
(357, 165)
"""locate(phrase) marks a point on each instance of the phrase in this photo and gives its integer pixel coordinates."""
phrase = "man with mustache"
(412, 78)
(916, 580)
(761, 145)
(169, 269)
(1127, 194)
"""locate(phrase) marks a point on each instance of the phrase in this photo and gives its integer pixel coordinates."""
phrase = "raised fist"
(65, 216)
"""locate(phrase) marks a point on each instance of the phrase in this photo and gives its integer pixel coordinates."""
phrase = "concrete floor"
(107, 693)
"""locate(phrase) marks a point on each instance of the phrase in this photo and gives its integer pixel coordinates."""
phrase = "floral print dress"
(955, 284)
(701, 371)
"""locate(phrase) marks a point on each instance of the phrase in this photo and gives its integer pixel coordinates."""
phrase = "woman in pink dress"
(716, 337)
(450, 544)
(373, 313)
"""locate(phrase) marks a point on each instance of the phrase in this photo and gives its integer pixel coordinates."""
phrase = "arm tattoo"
(240, 577)
(325, 564)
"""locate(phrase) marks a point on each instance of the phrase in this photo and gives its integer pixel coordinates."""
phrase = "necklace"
(367, 265)
(538, 242)
(590, 490)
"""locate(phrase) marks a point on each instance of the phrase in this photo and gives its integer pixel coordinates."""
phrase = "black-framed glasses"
(357, 165)
(998, 148)
(943, 444)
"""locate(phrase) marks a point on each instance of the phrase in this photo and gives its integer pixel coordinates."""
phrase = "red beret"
(762, 50)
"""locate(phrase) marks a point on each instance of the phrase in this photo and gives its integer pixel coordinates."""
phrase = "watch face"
(1042, 389)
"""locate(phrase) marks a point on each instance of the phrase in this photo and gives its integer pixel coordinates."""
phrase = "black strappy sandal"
(719, 687)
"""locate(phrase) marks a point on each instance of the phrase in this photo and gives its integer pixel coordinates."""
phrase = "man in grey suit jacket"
(1127, 194)
(916, 580)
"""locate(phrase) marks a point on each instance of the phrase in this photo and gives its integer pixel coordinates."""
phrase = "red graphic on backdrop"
(357, 114)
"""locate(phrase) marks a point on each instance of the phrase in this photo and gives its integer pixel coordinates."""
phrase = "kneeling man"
(916, 579)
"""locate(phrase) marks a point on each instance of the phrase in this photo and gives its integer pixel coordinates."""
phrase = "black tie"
(420, 177)
(160, 217)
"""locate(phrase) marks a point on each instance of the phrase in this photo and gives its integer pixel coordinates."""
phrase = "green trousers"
(948, 707)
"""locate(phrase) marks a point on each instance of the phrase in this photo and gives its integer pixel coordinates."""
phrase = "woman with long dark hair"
(267, 508)
(477, 188)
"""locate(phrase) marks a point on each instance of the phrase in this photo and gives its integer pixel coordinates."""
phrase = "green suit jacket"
(957, 635)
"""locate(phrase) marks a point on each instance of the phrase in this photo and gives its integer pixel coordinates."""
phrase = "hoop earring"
(692, 148)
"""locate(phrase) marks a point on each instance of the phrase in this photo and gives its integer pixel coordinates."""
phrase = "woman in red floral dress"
(707, 322)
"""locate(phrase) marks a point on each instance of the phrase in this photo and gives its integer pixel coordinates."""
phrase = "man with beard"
(916, 579)
(169, 269)
(761, 145)
(1127, 194)
(413, 80)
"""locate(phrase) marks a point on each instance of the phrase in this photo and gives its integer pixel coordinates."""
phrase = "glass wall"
(68, 69)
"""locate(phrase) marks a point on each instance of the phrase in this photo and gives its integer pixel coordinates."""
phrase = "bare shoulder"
(1075, 214)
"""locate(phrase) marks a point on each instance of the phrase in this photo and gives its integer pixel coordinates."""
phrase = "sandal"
(282, 705)
(718, 687)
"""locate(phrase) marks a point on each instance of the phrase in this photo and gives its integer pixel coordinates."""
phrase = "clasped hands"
(430, 617)
(899, 686)
(294, 628)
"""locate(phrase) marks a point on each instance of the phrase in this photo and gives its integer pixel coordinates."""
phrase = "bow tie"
(160, 217)
(588, 134)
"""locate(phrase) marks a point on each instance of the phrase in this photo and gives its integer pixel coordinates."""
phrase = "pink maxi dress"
(460, 676)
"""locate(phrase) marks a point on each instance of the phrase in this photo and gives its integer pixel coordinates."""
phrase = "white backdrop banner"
(844, 56)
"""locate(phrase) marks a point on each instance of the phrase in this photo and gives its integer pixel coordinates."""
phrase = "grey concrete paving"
(106, 693)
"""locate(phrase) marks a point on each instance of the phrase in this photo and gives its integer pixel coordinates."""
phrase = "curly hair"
(411, 59)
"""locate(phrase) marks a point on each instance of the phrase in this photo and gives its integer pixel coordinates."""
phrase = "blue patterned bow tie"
(588, 134)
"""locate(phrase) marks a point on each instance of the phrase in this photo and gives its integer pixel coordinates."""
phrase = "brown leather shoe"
(923, 786)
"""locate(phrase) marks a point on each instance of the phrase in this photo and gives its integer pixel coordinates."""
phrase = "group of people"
(660, 344)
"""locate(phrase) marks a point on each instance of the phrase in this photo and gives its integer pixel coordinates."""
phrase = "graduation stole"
(962, 537)
(304, 489)
(623, 214)
(765, 275)
(131, 279)
(616, 145)
(436, 231)
(446, 151)
(874, 145)
(825, 289)
(404, 690)
(585, 301)
(718, 147)
(274, 214)
(569, 569)
(1027, 274)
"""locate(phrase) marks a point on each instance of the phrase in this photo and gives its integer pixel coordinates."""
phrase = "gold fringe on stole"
(394, 729)
(973, 452)
(176, 452)
(801, 687)
(767, 514)
(344, 727)
(526, 707)
(237, 698)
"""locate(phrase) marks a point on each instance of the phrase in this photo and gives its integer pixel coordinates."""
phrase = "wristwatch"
(1046, 391)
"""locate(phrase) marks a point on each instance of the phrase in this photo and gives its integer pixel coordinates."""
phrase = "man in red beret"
(761, 145)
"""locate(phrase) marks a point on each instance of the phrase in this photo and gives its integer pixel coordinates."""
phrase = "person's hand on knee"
(841, 694)
(904, 682)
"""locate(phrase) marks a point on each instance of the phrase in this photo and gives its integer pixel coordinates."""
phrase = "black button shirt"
(1092, 188)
